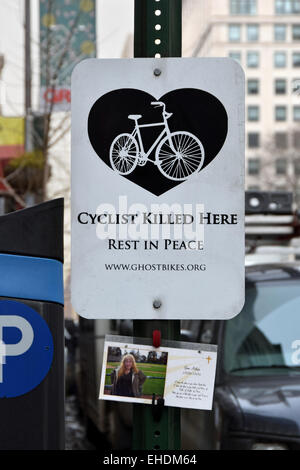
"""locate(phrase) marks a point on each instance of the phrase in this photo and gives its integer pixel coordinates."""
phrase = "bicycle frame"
(177, 154)
(136, 132)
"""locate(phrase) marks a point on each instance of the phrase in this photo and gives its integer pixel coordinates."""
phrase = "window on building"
(297, 166)
(280, 166)
(252, 59)
(280, 86)
(296, 59)
(253, 113)
(296, 32)
(296, 113)
(253, 86)
(280, 32)
(234, 32)
(279, 59)
(253, 140)
(296, 140)
(281, 187)
(252, 32)
(287, 7)
(243, 7)
(280, 113)
(253, 166)
(235, 55)
(281, 140)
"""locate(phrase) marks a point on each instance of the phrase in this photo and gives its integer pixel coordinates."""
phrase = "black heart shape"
(195, 111)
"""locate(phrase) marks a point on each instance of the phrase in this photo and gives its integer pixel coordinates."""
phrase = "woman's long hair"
(122, 367)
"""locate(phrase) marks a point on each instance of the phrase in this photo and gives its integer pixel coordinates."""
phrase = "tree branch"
(12, 192)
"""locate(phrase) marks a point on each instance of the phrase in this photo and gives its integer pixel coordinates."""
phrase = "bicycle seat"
(134, 117)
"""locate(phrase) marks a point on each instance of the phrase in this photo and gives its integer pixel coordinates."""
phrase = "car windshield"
(265, 337)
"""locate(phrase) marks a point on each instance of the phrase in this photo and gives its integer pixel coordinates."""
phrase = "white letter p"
(13, 321)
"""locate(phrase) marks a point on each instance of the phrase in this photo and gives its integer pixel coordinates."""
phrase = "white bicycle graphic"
(178, 154)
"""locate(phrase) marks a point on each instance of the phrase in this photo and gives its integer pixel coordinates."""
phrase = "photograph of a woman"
(127, 380)
(133, 374)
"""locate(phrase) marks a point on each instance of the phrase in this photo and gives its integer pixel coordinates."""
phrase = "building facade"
(264, 37)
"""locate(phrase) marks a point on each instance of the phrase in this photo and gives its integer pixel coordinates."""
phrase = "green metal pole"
(149, 25)
(157, 30)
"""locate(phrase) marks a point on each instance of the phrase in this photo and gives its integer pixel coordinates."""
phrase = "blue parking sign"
(26, 349)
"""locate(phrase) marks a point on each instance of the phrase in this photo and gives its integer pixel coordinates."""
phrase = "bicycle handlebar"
(157, 103)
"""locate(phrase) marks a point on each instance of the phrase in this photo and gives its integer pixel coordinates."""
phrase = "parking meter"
(32, 328)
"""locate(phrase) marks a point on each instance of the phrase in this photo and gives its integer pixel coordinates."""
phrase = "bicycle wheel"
(179, 159)
(123, 154)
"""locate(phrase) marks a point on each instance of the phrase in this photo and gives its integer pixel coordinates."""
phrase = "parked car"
(257, 393)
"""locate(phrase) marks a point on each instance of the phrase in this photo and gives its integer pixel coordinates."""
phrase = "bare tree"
(54, 131)
(31, 171)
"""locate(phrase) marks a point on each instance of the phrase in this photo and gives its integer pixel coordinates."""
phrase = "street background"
(257, 391)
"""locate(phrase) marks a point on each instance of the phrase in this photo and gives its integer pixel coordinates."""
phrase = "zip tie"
(156, 338)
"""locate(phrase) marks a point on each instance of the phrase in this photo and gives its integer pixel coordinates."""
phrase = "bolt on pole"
(157, 33)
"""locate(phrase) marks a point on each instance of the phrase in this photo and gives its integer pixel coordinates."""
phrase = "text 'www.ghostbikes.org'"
(155, 267)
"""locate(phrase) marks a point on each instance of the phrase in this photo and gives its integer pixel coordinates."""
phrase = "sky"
(114, 25)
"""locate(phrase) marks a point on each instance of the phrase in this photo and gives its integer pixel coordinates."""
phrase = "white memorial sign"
(158, 188)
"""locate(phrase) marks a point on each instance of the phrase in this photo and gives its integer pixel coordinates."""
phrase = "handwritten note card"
(183, 377)
(190, 378)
